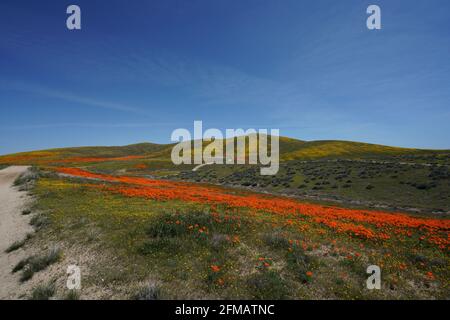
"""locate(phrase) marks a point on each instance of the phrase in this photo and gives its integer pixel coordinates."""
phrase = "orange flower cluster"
(141, 166)
(215, 268)
(121, 179)
(24, 158)
(356, 230)
(358, 223)
(264, 263)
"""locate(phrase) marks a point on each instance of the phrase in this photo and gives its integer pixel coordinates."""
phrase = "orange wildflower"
(430, 275)
(215, 268)
(364, 224)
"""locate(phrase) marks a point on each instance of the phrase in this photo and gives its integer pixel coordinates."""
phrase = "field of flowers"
(204, 241)
(356, 223)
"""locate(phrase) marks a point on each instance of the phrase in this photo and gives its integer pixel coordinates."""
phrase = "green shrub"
(39, 221)
(16, 245)
(21, 264)
(276, 239)
(26, 180)
(267, 285)
(34, 264)
(299, 263)
(43, 292)
(27, 273)
(151, 291)
(72, 295)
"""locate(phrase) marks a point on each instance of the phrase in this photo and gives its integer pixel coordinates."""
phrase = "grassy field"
(417, 187)
(141, 228)
(168, 247)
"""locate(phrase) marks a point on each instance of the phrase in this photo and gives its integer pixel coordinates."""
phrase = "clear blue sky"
(139, 69)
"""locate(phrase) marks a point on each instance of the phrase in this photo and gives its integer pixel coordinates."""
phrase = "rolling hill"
(290, 149)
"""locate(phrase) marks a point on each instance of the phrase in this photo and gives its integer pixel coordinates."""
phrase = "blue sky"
(138, 70)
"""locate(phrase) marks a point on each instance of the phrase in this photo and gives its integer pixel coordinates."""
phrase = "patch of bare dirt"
(13, 227)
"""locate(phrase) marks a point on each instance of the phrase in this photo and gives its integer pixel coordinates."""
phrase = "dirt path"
(13, 227)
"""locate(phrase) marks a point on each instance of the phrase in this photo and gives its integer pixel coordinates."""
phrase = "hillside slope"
(290, 149)
(342, 149)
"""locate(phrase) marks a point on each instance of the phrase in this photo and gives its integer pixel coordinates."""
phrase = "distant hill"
(112, 151)
(343, 149)
(140, 149)
(290, 149)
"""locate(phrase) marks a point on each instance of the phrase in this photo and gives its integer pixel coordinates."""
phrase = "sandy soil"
(13, 227)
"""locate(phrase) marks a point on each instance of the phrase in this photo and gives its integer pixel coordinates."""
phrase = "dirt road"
(13, 227)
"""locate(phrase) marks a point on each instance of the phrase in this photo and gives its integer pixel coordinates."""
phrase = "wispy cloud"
(87, 125)
(71, 97)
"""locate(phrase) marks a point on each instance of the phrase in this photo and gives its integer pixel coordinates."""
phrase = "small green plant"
(26, 180)
(27, 273)
(39, 221)
(21, 264)
(299, 263)
(267, 285)
(16, 245)
(43, 292)
(72, 295)
(276, 239)
(151, 291)
(34, 264)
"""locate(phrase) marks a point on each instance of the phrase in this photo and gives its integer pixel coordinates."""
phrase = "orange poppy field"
(355, 223)
(231, 243)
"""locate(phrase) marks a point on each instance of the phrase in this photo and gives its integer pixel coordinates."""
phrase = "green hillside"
(122, 151)
(290, 149)
(343, 149)
(94, 151)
